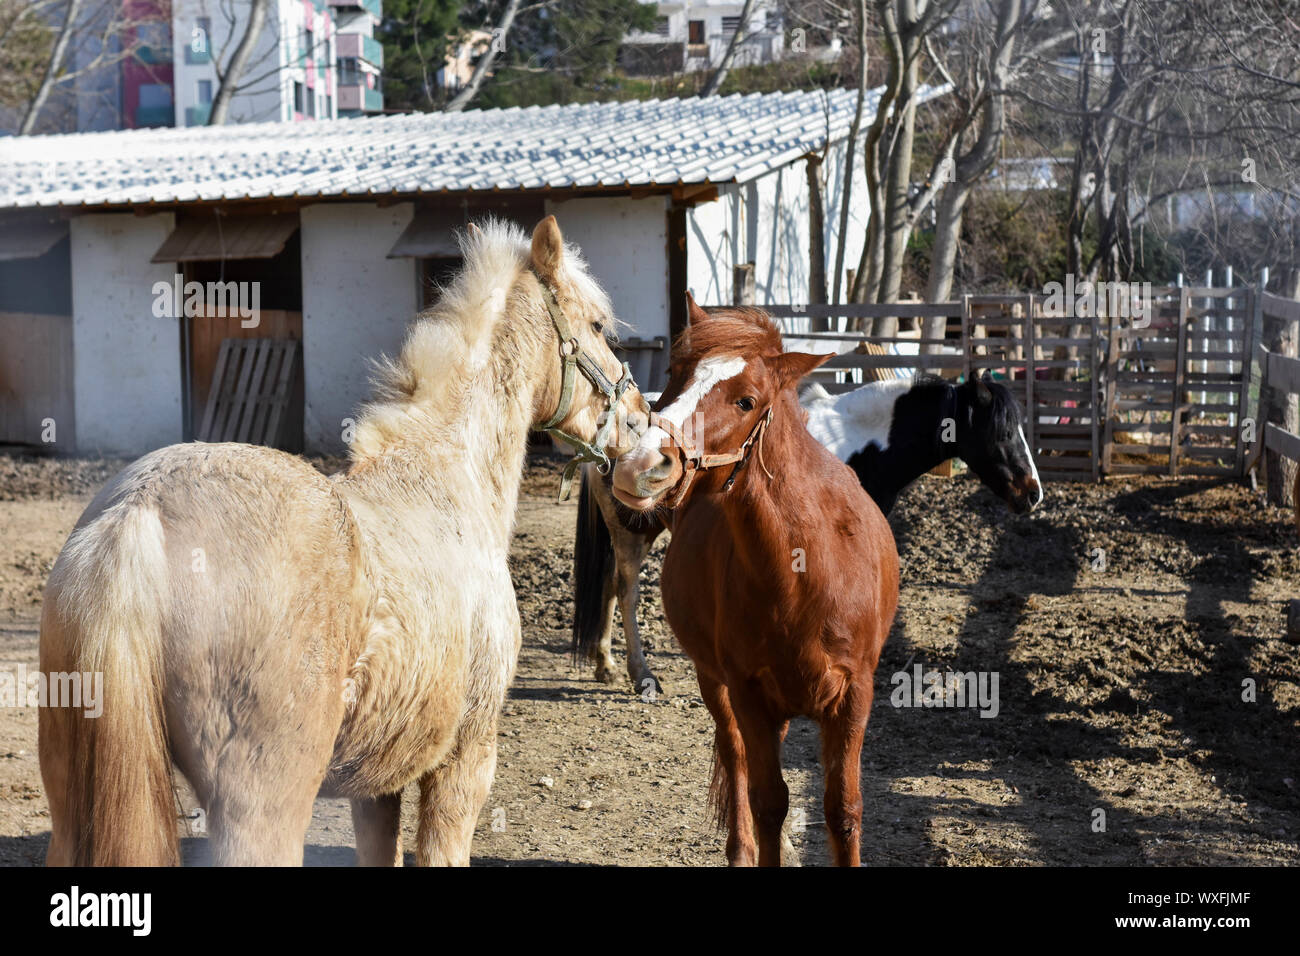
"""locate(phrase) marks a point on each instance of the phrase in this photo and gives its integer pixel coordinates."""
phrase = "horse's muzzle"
(643, 476)
(1024, 496)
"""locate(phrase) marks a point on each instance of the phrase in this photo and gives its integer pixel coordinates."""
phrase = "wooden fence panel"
(1099, 394)
(36, 379)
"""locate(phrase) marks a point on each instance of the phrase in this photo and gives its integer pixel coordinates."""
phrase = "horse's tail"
(108, 774)
(593, 567)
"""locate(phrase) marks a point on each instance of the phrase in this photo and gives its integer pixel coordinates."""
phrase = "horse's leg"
(842, 763)
(630, 549)
(604, 652)
(377, 824)
(789, 854)
(260, 788)
(596, 547)
(263, 821)
(730, 787)
(451, 797)
(769, 797)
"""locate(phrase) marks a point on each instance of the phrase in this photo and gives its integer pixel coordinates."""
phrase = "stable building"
(144, 272)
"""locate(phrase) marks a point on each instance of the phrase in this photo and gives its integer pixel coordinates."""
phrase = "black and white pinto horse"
(890, 433)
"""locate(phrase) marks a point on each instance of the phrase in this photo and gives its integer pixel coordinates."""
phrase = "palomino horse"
(890, 433)
(276, 634)
(781, 579)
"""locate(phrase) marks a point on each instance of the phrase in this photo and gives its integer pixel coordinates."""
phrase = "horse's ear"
(474, 231)
(789, 367)
(980, 390)
(694, 313)
(548, 248)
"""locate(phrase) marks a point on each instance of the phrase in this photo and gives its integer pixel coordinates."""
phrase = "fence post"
(1278, 406)
(742, 284)
(965, 337)
(1108, 409)
(1094, 369)
(1180, 377)
(1249, 334)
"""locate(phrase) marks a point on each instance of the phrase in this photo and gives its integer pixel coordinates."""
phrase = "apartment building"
(694, 35)
(314, 59)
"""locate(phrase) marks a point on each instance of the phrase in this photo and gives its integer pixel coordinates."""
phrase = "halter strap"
(694, 461)
(574, 359)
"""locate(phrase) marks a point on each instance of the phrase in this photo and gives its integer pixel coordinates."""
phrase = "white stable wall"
(766, 222)
(356, 305)
(126, 361)
(625, 243)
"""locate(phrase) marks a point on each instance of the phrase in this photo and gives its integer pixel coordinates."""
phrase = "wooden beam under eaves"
(691, 195)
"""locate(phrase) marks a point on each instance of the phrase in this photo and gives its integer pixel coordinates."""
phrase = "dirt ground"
(1123, 677)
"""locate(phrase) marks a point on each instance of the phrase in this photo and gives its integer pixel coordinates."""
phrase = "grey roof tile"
(647, 142)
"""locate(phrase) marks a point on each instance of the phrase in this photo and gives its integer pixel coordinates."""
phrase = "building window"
(329, 107)
(311, 103)
(155, 95)
(661, 26)
(309, 38)
(297, 97)
(154, 42)
(730, 25)
(349, 71)
(155, 105)
(205, 91)
(696, 31)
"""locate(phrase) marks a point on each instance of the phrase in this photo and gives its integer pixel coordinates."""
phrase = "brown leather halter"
(694, 461)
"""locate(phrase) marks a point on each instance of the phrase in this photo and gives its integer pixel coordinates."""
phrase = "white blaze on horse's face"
(646, 472)
(709, 373)
(1033, 469)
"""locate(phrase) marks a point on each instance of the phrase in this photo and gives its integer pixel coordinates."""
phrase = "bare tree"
(462, 99)
(46, 46)
(992, 67)
(905, 26)
(52, 67)
(851, 146)
(737, 38)
(230, 77)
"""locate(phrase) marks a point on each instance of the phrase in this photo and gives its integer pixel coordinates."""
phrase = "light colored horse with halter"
(277, 634)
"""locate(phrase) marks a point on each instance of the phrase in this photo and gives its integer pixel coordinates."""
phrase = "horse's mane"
(447, 334)
(738, 331)
(449, 343)
(1005, 409)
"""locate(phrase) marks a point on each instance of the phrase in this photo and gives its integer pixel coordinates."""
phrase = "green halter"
(576, 359)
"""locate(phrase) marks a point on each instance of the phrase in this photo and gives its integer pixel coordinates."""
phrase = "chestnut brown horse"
(781, 579)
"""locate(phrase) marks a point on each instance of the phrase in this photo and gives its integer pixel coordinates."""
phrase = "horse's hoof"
(646, 685)
(606, 675)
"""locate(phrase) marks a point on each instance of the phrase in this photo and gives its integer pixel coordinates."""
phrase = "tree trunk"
(238, 63)
(943, 257)
(462, 99)
(898, 219)
(50, 78)
(720, 74)
(970, 168)
(816, 230)
(850, 154)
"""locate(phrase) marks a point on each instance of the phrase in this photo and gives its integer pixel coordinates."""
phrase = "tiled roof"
(639, 143)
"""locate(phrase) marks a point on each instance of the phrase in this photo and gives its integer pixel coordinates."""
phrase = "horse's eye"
(599, 327)
(746, 404)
